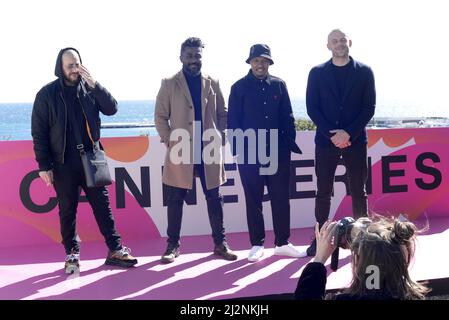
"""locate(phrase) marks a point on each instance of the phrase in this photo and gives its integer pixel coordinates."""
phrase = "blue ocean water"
(15, 118)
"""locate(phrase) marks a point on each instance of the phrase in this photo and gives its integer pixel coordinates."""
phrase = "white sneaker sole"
(72, 269)
(254, 259)
(294, 255)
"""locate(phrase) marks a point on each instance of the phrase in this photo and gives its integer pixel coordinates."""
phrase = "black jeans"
(175, 201)
(356, 162)
(68, 181)
(278, 186)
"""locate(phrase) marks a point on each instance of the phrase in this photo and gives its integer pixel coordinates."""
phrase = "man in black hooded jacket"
(59, 160)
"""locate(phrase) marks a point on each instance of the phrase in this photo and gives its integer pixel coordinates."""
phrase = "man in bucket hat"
(260, 50)
(259, 105)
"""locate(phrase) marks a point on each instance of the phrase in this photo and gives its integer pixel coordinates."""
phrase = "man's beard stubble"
(71, 82)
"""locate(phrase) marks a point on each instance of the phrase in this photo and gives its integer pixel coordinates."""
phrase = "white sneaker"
(255, 253)
(290, 251)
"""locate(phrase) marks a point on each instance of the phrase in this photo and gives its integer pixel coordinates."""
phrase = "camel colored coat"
(174, 110)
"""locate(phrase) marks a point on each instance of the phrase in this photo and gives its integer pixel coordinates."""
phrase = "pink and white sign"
(408, 175)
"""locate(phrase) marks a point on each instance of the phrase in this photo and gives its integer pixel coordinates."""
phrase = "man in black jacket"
(340, 99)
(58, 157)
(259, 106)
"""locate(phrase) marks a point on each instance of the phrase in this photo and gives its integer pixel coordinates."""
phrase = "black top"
(312, 286)
(72, 101)
(341, 76)
(194, 84)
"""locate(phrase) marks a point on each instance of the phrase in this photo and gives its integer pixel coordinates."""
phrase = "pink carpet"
(36, 272)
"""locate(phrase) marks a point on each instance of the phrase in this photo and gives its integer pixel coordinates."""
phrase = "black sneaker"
(225, 252)
(311, 250)
(121, 258)
(170, 254)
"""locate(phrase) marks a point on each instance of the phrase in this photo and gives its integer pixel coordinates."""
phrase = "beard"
(72, 79)
(341, 52)
(193, 69)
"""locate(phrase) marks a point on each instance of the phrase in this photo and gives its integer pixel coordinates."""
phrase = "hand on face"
(70, 67)
(86, 76)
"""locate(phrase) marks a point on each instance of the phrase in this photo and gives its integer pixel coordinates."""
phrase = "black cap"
(260, 50)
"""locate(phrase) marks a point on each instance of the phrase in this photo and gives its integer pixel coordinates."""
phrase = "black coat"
(329, 111)
(49, 119)
(312, 286)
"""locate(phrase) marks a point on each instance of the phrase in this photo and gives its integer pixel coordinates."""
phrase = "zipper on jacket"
(65, 126)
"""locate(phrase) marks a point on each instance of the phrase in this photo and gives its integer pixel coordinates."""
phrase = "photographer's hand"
(325, 241)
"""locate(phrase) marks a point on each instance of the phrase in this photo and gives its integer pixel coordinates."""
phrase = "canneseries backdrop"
(408, 175)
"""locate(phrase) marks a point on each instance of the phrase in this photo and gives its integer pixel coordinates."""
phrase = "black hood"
(58, 67)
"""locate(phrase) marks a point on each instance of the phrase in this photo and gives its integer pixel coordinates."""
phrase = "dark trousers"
(356, 163)
(278, 186)
(175, 201)
(68, 181)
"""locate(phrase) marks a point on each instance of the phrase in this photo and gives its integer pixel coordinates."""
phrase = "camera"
(342, 239)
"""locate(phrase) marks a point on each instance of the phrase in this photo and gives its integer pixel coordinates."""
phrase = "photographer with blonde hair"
(380, 247)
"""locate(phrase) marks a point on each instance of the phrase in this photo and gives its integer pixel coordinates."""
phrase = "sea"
(136, 118)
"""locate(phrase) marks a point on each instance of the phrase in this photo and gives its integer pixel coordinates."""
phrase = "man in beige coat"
(190, 117)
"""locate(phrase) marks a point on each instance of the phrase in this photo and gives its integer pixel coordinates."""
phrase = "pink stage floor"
(31, 273)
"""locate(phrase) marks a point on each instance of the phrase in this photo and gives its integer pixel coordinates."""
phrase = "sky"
(129, 46)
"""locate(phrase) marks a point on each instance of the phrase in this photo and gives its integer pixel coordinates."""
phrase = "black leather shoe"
(311, 250)
(225, 252)
(170, 254)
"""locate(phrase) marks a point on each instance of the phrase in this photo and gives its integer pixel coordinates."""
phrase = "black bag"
(96, 168)
(95, 165)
